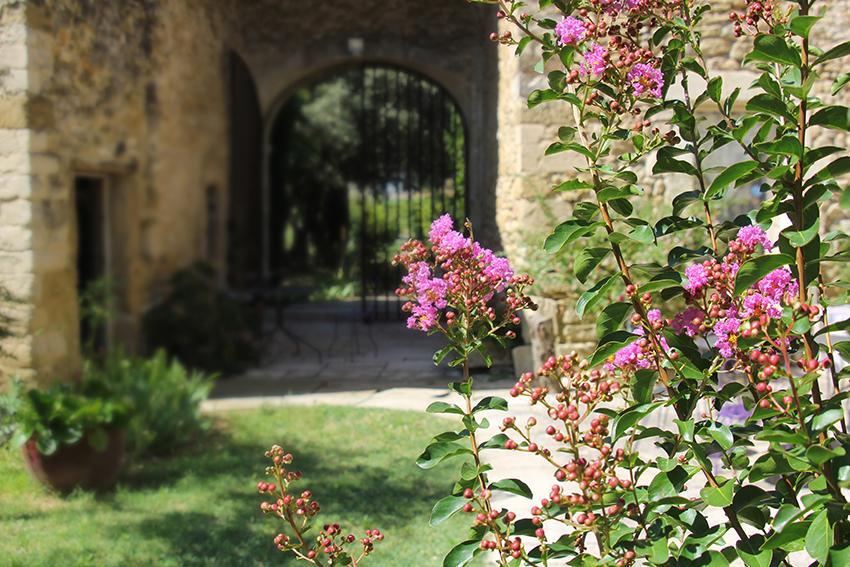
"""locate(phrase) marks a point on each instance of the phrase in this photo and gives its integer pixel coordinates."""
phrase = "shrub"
(201, 325)
(163, 398)
(60, 415)
(296, 511)
(744, 342)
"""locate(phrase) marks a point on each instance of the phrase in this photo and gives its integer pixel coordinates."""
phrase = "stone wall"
(135, 94)
(526, 207)
(109, 99)
(17, 112)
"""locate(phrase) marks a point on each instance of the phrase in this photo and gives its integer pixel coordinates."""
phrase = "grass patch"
(201, 508)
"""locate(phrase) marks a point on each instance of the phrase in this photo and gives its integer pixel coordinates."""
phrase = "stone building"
(163, 109)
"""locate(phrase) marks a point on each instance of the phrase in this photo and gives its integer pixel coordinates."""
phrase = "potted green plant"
(69, 439)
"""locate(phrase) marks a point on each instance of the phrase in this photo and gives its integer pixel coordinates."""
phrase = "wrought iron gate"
(405, 166)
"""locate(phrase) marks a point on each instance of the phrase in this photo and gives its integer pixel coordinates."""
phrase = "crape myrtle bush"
(753, 333)
(296, 511)
(753, 337)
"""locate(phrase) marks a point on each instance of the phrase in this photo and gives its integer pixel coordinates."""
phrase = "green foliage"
(199, 506)
(162, 396)
(784, 469)
(60, 415)
(202, 326)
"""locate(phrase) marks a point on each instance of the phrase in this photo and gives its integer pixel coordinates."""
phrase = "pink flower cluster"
(639, 354)
(571, 31)
(714, 310)
(595, 61)
(646, 80)
(456, 272)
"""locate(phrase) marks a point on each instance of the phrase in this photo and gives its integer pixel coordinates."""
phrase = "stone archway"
(360, 159)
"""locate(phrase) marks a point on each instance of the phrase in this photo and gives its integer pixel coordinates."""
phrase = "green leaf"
(715, 89)
(840, 83)
(573, 185)
(765, 103)
(802, 25)
(686, 429)
(835, 169)
(594, 295)
(642, 234)
(445, 508)
(799, 238)
(462, 388)
(438, 452)
(819, 537)
(722, 434)
(819, 455)
(666, 163)
(612, 317)
(495, 442)
(643, 384)
(630, 417)
(512, 485)
(755, 269)
(587, 260)
(683, 200)
(720, 496)
(729, 176)
(541, 96)
(788, 537)
(773, 49)
(491, 403)
(761, 559)
(840, 50)
(833, 117)
(443, 407)
(462, 553)
(839, 556)
(568, 232)
(823, 420)
(786, 513)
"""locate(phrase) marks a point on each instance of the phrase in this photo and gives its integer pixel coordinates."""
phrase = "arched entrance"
(359, 161)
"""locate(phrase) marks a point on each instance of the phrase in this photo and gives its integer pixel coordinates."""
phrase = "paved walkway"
(328, 347)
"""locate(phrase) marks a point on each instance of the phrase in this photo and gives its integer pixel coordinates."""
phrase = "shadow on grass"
(229, 529)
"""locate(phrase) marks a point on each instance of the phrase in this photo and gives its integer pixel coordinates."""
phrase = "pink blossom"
(619, 5)
(595, 62)
(440, 227)
(454, 272)
(752, 236)
(684, 322)
(571, 30)
(430, 296)
(778, 284)
(654, 316)
(631, 356)
(697, 278)
(444, 237)
(726, 331)
(757, 303)
(646, 80)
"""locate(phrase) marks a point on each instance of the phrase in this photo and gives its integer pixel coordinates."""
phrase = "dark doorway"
(245, 200)
(90, 196)
(360, 162)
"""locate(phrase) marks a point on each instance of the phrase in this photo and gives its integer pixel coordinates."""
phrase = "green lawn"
(201, 508)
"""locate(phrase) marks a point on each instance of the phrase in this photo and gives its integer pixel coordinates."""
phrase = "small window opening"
(89, 195)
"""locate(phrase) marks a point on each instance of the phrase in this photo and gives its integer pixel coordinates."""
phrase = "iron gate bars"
(388, 142)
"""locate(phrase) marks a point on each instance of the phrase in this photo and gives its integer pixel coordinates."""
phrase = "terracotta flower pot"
(78, 465)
